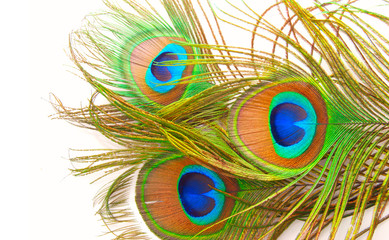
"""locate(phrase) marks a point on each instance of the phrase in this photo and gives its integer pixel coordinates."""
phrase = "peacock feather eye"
(201, 203)
(292, 123)
(280, 126)
(156, 78)
(178, 197)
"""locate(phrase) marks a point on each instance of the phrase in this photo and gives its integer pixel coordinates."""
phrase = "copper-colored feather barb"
(237, 142)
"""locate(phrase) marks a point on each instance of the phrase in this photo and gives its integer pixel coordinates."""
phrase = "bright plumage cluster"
(237, 142)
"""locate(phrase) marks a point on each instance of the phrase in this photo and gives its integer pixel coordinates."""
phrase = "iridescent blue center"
(194, 189)
(161, 76)
(162, 73)
(199, 199)
(292, 122)
(283, 119)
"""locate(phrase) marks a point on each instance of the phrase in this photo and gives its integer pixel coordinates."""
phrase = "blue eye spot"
(163, 78)
(193, 189)
(282, 121)
(162, 73)
(200, 201)
(292, 122)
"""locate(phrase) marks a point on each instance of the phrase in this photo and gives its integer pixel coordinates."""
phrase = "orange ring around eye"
(140, 59)
(249, 125)
(157, 198)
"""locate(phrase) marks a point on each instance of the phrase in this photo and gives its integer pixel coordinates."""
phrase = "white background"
(39, 197)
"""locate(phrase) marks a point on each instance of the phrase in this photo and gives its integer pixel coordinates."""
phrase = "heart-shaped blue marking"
(193, 188)
(284, 120)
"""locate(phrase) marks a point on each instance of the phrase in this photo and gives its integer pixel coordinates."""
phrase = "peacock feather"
(237, 141)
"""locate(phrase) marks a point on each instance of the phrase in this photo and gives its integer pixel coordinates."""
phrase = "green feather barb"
(237, 142)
